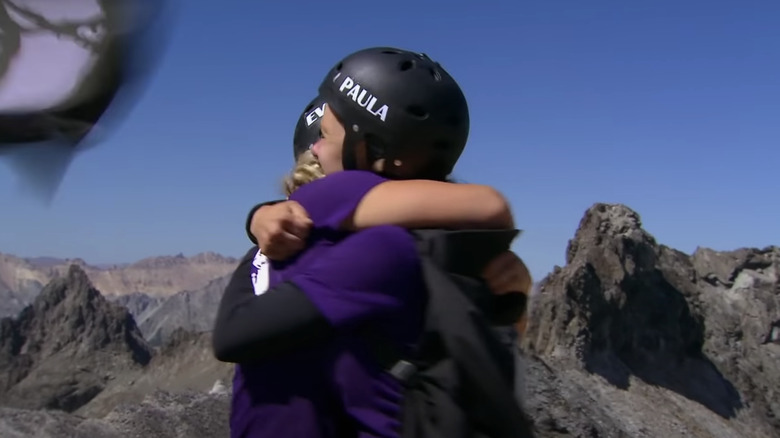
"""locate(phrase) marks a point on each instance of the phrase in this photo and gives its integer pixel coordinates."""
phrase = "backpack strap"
(445, 251)
(390, 356)
(459, 376)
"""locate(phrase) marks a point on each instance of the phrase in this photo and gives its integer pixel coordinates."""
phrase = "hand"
(521, 325)
(507, 273)
(281, 229)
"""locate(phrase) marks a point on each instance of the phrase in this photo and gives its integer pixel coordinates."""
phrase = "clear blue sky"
(671, 107)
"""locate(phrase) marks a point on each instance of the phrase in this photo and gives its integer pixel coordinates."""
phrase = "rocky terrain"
(67, 346)
(629, 339)
(632, 338)
(76, 364)
(157, 277)
(193, 311)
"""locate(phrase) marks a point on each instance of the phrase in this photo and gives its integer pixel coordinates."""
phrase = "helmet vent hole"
(407, 65)
(417, 112)
(391, 52)
(339, 66)
(436, 75)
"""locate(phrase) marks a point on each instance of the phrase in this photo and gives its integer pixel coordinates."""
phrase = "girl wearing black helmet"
(391, 203)
(302, 371)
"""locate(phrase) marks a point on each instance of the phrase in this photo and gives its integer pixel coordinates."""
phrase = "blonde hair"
(307, 169)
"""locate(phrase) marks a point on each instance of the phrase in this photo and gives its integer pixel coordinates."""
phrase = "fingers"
(499, 264)
(281, 230)
(297, 210)
(283, 245)
(506, 282)
(507, 273)
(522, 324)
(276, 234)
(297, 222)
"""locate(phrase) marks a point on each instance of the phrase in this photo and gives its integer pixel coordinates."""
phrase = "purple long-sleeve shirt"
(330, 386)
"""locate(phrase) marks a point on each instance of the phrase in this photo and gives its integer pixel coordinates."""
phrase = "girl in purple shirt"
(303, 370)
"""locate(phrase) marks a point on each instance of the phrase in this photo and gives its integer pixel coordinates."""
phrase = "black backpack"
(459, 382)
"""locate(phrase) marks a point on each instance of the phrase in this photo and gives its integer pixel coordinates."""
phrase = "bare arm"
(432, 204)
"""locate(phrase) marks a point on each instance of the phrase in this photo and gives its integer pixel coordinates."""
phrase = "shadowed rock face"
(62, 350)
(193, 311)
(657, 329)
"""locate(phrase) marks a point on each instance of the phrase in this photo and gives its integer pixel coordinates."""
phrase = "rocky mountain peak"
(616, 302)
(70, 329)
(605, 225)
(629, 310)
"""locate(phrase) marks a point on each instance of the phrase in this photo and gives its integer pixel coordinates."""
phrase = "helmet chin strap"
(360, 153)
(357, 153)
(350, 150)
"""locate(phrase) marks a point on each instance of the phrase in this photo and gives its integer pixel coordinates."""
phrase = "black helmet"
(307, 130)
(404, 106)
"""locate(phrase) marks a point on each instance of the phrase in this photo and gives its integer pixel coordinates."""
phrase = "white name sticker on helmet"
(315, 115)
(363, 97)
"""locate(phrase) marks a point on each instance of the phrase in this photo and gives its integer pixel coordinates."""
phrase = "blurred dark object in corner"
(70, 70)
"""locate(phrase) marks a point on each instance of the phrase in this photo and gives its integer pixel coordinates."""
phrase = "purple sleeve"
(330, 200)
(369, 274)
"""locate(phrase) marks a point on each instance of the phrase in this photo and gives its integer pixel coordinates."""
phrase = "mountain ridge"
(159, 277)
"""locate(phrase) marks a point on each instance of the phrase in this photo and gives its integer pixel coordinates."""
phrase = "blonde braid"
(306, 170)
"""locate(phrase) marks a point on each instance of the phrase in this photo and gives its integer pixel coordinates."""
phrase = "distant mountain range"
(21, 279)
(48, 262)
